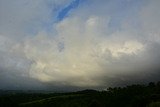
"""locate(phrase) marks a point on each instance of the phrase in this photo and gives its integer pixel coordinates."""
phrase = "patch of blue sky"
(58, 13)
(64, 12)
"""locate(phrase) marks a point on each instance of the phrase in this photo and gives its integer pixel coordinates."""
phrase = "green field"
(129, 96)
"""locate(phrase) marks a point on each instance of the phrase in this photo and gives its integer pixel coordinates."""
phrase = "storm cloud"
(96, 44)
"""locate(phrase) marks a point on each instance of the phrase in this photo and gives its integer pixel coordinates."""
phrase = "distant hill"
(130, 96)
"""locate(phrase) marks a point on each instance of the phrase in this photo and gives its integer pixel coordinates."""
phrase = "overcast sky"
(77, 44)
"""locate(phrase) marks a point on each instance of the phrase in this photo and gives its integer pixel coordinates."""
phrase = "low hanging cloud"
(97, 45)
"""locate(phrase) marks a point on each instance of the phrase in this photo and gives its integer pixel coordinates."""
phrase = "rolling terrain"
(129, 96)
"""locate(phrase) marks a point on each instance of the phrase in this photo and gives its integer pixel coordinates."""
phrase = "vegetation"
(154, 104)
(129, 96)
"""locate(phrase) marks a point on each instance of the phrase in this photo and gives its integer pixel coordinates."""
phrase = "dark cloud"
(98, 45)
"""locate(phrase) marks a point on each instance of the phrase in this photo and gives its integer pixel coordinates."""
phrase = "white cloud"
(86, 49)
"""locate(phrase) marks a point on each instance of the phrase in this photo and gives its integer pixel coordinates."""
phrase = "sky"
(78, 44)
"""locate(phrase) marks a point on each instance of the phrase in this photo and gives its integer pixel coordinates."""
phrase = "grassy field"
(50, 100)
(129, 96)
(154, 104)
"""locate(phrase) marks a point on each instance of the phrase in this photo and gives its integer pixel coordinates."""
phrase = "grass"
(50, 99)
(154, 104)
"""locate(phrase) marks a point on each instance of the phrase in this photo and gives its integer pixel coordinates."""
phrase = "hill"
(129, 96)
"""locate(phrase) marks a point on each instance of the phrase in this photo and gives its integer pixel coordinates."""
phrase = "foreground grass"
(49, 99)
(154, 104)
